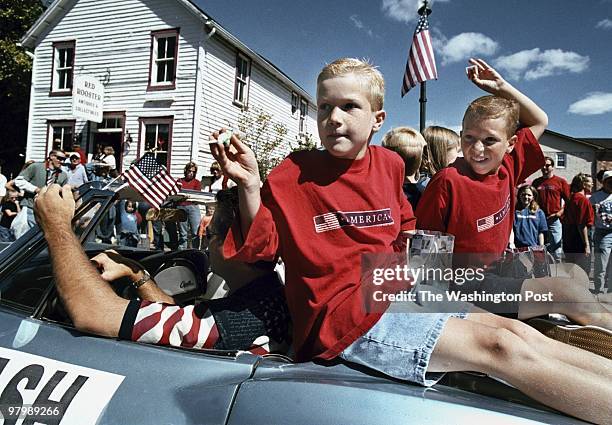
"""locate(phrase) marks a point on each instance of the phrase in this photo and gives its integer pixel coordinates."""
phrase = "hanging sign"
(87, 98)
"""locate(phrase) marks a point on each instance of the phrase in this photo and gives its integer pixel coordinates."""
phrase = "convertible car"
(53, 374)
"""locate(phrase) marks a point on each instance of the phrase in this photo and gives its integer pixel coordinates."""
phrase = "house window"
(62, 68)
(241, 86)
(157, 136)
(164, 56)
(303, 115)
(61, 135)
(295, 104)
(561, 160)
(111, 124)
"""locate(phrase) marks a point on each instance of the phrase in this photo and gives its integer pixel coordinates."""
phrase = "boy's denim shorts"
(400, 345)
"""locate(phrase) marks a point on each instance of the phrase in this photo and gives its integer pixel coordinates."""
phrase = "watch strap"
(144, 279)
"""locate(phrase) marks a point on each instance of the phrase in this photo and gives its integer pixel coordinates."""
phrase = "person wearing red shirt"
(319, 210)
(577, 220)
(189, 227)
(416, 345)
(551, 190)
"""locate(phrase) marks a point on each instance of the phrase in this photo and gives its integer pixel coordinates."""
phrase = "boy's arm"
(238, 162)
(433, 207)
(489, 80)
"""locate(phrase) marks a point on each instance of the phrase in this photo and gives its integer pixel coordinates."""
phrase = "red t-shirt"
(478, 210)
(320, 213)
(579, 211)
(193, 184)
(550, 192)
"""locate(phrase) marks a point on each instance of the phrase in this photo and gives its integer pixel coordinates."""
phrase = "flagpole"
(423, 10)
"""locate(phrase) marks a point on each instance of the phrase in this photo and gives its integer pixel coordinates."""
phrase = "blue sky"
(559, 52)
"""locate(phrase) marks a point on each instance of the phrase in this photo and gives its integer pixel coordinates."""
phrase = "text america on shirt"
(337, 219)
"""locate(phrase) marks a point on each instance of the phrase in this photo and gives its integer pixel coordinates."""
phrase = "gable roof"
(56, 10)
(586, 142)
(602, 143)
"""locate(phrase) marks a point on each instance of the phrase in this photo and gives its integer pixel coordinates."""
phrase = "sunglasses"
(61, 158)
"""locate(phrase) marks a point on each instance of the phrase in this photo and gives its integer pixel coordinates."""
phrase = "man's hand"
(114, 266)
(237, 161)
(54, 208)
(485, 77)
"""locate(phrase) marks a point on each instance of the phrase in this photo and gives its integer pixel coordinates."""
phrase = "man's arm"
(489, 80)
(24, 185)
(114, 266)
(238, 163)
(90, 302)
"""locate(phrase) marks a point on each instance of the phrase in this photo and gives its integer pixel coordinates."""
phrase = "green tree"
(304, 142)
(16, 17)
(265, 137)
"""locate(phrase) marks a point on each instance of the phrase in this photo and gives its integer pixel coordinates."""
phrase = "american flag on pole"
(151, 180)
(421, 64)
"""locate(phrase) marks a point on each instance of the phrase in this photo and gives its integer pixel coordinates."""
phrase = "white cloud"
(605, 24)
(533, 64)
(359, 25)
(594, 104)
(514, 65)
(404, 10)
(464, 46)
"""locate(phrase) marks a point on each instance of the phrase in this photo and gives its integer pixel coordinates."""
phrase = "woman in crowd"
(529, 220)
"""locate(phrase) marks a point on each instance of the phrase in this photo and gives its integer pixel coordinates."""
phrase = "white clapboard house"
(171, 75)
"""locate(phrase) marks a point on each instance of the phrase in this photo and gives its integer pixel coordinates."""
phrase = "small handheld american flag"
(421, 64)
(151, 179)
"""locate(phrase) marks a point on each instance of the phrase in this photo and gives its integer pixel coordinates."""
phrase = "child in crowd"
(408, 144)
(10, 208)
(128, 224)
(474, 197)
(442, 149)
(529, 219)
(578, 218)
(210, 210)
(301, 214)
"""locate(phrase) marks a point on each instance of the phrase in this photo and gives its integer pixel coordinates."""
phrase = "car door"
(52, 373)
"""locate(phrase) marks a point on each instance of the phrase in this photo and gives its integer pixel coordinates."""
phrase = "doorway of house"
(110, 133)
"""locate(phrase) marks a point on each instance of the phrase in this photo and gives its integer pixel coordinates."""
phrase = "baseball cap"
(606, 175)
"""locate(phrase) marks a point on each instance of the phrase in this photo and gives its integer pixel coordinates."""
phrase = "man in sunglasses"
(551, 189)
(35, 177)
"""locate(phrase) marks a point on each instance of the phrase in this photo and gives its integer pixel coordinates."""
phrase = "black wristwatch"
(144, 279)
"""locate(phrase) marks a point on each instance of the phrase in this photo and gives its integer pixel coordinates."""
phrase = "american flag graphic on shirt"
(337, 219)
(494, 219)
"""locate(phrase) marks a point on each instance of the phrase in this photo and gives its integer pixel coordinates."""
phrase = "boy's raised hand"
(485, 77)
(237, 160)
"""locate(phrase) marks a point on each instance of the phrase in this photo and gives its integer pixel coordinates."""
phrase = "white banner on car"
(87, 98)
(35, 389)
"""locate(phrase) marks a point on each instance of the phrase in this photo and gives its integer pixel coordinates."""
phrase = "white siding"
(265, 92)
(116, 35)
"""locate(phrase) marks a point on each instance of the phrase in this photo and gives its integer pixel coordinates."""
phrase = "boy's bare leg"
(606, 300)
(570, 298)
(545, 345)
(472, 345)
